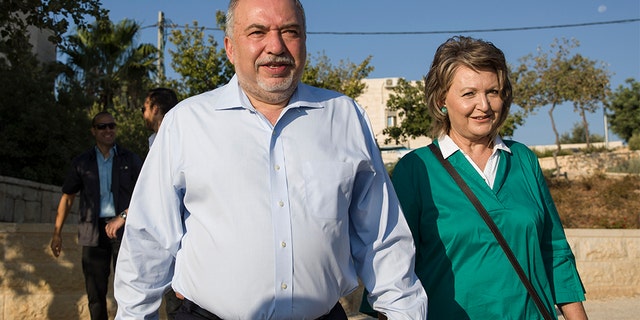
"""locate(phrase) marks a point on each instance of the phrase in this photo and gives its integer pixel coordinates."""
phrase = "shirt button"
(283, 286)
(283, 244)
(280, 203)
(277, 167)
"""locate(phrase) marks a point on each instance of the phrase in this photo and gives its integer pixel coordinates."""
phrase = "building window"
(391, 121)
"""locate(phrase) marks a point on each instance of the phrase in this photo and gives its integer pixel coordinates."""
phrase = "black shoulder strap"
(494, 229)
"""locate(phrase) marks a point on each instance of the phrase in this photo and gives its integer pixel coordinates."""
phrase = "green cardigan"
(463, 269)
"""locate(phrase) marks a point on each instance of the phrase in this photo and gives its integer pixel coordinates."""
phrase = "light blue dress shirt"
(279, 221)
(107, 206)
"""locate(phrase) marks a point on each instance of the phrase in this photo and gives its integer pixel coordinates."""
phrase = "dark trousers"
(96, 267)
(191, 311)
(172, 304)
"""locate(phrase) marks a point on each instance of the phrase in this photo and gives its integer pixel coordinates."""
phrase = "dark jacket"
(83, 177)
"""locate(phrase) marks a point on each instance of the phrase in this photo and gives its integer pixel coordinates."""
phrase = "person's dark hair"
(233, 4)
(98, 115)
(476, 54)
(163, 98)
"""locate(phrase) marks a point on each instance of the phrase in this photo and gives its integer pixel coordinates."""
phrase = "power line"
(375, 33)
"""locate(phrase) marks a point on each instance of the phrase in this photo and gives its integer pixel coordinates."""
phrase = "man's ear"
(155, 110)
(228, 48)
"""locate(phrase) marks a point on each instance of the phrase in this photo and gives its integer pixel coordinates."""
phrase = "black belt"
(336, 313)
(190, 307)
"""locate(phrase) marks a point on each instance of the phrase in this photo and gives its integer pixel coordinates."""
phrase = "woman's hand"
(573, 311)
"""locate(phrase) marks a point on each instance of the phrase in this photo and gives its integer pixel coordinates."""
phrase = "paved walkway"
(613, 309)
(606, 309)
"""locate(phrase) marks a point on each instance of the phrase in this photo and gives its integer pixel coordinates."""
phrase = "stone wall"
(36, 285)
(608, 261)
(24, 201)
(588, 163)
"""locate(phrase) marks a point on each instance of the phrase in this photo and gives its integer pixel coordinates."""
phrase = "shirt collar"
(448, 147)
(232, 97)
(112, 151)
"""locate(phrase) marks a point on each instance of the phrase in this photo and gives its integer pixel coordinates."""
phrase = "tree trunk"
(585, 123)
(558, 146)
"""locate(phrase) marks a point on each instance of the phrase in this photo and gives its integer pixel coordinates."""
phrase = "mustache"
(276, 60)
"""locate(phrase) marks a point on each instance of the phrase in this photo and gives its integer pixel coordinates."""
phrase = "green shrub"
(634, 141)
(630, 166)
(549, 152)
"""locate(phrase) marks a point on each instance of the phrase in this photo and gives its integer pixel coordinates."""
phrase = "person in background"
(463, 269)
(105, 176)
(284, 195)
(157, 103)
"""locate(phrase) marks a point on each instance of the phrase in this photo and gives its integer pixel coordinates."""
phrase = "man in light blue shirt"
(266, 198)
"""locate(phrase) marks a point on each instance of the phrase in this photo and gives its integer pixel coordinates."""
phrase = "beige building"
(374, 101)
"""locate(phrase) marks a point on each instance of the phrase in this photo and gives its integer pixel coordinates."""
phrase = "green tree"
(40, 129)
(105, 61)
(553, 78)
(201, 66)
(407, 99)
(345, 78)
(579, 135)
(589, 90)
(38, 134)
(17, 16)
(624, 110)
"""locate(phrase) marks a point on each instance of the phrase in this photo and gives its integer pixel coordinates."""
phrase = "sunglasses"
(102, 126)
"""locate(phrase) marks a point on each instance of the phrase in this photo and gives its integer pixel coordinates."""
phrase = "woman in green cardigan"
(463, 269)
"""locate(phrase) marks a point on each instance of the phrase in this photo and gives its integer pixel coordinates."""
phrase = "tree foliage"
(624, 110)
(39, 130)
(104, 59)
(554, 77)
(408, 101)
(542, 80)
(578, 134)
(38, 134)
(201, 65)
(589, 90)
(16, 17)
(345, 78)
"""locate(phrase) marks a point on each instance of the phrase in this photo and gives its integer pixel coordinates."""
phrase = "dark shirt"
(83, 177)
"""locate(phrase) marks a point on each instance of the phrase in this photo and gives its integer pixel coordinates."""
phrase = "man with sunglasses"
(104, 176)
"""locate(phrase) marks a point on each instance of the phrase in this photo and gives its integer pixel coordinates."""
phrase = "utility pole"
(606, 129)
(160, 47)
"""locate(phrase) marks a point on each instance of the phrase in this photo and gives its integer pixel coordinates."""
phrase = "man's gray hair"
(233, 4)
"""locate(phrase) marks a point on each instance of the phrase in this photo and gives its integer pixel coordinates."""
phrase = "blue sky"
(409, 56)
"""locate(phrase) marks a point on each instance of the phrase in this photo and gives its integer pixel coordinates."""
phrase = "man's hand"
(113, 226)
(56, 245)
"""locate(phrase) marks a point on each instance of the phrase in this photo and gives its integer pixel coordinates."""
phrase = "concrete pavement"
(627, 308)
